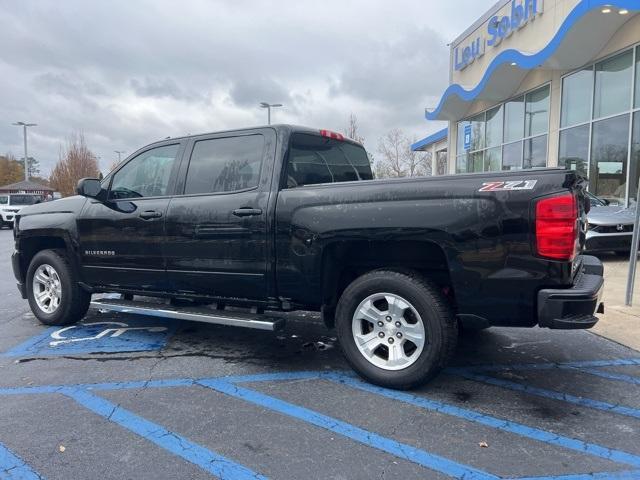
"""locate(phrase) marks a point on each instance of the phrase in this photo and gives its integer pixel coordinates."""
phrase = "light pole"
(119, 152)
(26, 156)
(269, 106)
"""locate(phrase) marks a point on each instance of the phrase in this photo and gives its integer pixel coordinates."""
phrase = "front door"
(121, 239)
(217, 229)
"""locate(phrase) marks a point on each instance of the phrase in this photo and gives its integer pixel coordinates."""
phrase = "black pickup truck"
(227, 226)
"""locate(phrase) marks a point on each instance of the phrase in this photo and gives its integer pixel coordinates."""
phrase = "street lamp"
(26, 157)
(269, 106)
(119, 152)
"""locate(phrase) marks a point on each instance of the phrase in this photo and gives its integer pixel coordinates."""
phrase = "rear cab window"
(315, 159)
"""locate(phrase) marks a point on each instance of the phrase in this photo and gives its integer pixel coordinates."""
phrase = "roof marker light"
(332, 135)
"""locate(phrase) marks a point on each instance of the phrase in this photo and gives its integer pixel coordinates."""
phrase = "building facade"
(27, 187)
(536, 83)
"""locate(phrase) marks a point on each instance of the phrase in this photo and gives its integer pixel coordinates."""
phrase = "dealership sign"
(499, 27)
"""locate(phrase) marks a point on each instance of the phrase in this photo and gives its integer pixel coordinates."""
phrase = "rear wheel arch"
(343, 262)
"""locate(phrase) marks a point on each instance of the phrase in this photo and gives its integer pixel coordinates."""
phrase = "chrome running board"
(194, 314)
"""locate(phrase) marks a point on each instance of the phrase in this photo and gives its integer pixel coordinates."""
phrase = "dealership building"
(537, 83)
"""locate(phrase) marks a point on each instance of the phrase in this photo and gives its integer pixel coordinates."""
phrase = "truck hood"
(613, 215)
(64, 205)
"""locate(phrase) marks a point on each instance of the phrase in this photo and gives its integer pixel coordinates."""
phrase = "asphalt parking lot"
(131, 397)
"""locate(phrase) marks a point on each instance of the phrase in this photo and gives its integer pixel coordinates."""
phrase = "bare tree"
(353, 130)
(76, 161)
(398, 159)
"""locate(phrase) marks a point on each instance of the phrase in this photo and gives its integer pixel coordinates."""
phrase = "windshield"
(24, 199)
(595, 201)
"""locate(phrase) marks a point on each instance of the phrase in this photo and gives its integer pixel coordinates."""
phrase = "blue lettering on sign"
(467, 137)
(499, 28)
(463, 56)
(522, 13)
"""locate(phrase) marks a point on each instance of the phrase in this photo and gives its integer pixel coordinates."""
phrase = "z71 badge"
(508, 186)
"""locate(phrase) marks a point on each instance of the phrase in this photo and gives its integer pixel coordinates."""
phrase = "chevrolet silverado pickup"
(233, 227)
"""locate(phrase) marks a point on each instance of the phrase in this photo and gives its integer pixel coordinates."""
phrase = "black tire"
(74, 301)
(440, 326)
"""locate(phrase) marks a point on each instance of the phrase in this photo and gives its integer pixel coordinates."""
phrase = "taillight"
(333, 135)
(557, 227)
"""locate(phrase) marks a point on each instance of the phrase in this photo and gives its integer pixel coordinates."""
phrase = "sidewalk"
(619, 323)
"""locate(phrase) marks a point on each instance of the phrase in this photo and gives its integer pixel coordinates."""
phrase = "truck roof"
(280, 127)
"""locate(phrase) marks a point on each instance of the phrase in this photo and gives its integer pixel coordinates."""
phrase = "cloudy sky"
(126, 73)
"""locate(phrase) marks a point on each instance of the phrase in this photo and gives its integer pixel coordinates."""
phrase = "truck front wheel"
(54, 295)
(395, 328)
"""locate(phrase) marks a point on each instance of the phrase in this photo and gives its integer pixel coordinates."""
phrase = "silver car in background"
(610, 227)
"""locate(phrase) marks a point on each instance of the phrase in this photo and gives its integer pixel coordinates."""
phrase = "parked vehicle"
(288, 218)
(610, 227)
(10, 206)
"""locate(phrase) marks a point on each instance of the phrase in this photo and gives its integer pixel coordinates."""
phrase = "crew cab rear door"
(217, 224)
(122, 238)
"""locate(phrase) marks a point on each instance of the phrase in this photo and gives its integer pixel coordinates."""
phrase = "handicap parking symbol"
(135, 335)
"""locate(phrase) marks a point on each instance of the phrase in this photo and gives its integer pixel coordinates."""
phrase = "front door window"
(147, 175)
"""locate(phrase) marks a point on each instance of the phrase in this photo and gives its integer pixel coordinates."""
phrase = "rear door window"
(227, 164)
(315, 159)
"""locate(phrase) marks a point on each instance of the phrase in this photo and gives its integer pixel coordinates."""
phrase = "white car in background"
(11, 204)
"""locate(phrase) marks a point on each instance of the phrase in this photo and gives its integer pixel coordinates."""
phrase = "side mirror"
(606, 202)
(89, 187)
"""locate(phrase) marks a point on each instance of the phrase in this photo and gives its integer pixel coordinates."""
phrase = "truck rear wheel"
(395, 328)
(54, 295)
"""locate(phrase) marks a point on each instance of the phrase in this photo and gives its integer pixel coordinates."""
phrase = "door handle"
(247, 212)
(149, 214)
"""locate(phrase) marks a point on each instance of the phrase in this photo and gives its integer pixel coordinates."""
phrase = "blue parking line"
(209, 461)
(608, 375)
(493, 422)
(625, 475)
(616, 362)
(542, 392)
(13, 467)
(401, 450)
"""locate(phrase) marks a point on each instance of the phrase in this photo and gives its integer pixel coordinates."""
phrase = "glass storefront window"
(613, 85)
(609, 151)
(637, 103)
(461, 163)
(537, 112)
(574, 149)
(477, 132)
(442, 162)
(493, 160)
(535, 152)
(460, 142)
(512, 156)
(498, 135)
(494, 127)
(514, 120)
(635, 158)
(476, 162)
(577, 90)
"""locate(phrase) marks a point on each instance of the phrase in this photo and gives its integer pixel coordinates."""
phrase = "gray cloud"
(127, 73)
